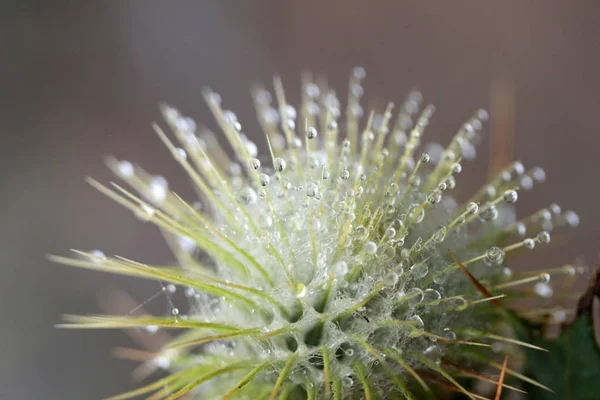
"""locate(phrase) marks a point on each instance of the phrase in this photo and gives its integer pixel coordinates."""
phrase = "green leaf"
(571, 367)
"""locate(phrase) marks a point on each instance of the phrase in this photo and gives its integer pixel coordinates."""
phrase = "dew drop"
(571, 218)
(511, 196)
(181, 155)
(544, 277)
(264, 179)
(311, 132)
(448, 334)
(247, 196)
(158, 188)
(125, 169)
(345, 174)
(414, 296)
(529, 243)
(433, 353)
(418, 322)
(419, 270)
(431, 295)
(543, 237)
(151, 329)
(98, 257)
(417, 213)
(494, 255)
(390, 279)
(370, 248)
(162, 362)
(544, 290)
(434, 197)
(439, 235)
(312, 190)
(145, 213)
(266, 221)
(472, 208)
(279, 164)
(489, 213)
(255, 163)
(347, 381)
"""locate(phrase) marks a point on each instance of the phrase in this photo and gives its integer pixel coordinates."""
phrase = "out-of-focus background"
(80, 80)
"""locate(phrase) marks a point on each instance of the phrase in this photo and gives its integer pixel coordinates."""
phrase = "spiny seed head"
(321, 266)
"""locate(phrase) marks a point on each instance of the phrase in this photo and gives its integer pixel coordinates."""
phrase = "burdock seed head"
(321, 269)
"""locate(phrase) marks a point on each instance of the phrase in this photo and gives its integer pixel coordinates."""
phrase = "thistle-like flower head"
(321, 269)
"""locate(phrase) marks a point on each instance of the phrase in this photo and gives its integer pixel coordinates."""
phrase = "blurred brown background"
(79, 80)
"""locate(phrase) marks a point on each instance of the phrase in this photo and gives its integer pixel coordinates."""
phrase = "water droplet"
(544, 277)
(145, 213)
(312, 190)
(162, 362)
(345, 174)
(414, 296)
(529, 243)
(419, 324)
(543, 237)
(390, 279)
(489, 213)
(448, 334)
(340, 268)
(425, 158)
(419, 270)
(279, 164)
(359, 73)
(125, 169)
(157, 189)
(264, 179)
(151, 329)
(347, 381)
(571, 218)
(266, 221)
(290, 111)
(311, 132)
(433, 353)
(456, 168)
(494, 256)
(416, 213)
(511, 196)
(97, 256)
(370, 248)
(434, 197)
(247, 196)
(431, 295)
(255, 163)
(538, 174)
(439, 235)
(349, 352)
(472, 208)
(175, 311)
(543, 290)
